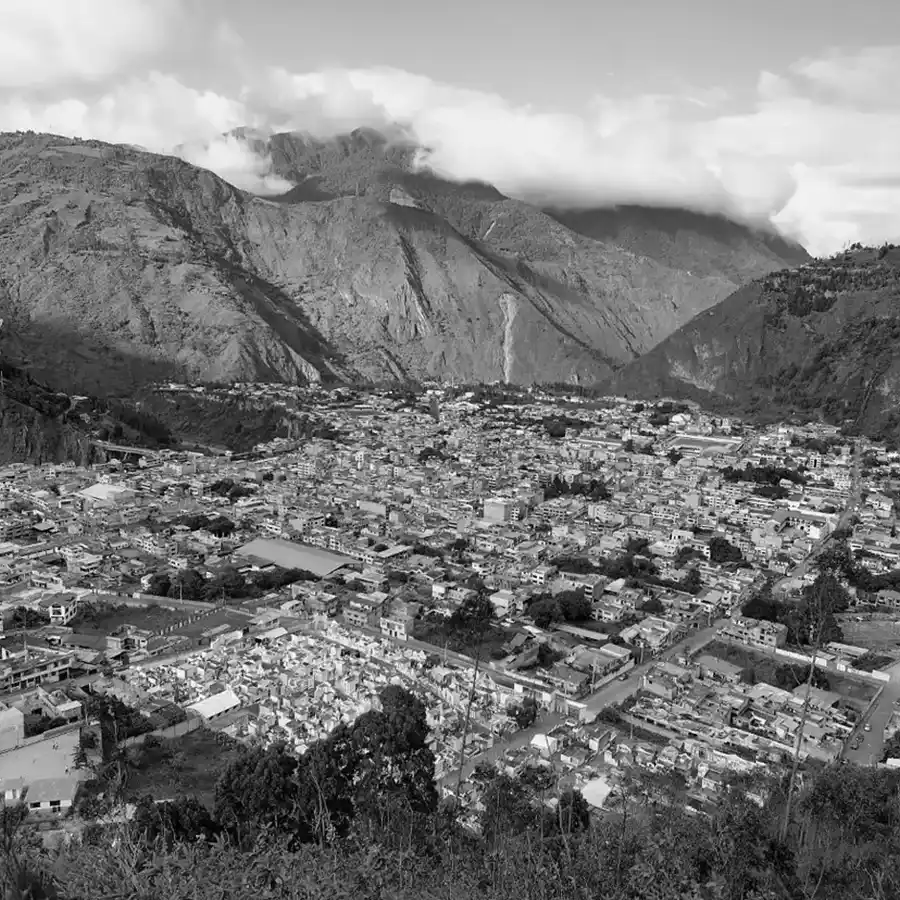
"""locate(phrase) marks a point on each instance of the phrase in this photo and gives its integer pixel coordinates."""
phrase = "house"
(713, 669)
(61, 608)
(756, 632)
(364, 610)
(398, 620)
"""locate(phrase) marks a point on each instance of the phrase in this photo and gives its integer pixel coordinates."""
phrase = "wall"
(139, 599)
(173, 731)
(803, 659)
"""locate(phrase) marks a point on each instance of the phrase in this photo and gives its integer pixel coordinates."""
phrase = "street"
(869, 752)
(610, 694)
(616, 691)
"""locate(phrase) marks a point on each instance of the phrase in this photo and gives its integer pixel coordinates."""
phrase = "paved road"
(869, 752)
(616, 691)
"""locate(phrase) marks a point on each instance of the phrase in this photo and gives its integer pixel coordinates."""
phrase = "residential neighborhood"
(569, 585)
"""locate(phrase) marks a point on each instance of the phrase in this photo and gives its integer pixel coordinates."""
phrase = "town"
(570, 584)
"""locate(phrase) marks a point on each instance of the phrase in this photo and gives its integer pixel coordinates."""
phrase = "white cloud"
(51, 42)
(234, 161)
(816, 150)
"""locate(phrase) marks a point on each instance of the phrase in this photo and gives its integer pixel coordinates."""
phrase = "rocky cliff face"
(119, 267)
(821, 340)
(35, 425)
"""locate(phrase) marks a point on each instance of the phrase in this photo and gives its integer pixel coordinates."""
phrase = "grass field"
(152, 618)
(877, 631)
(186, 766)
(773, 670)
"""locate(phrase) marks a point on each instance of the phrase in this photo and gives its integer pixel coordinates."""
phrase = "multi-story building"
(756, 632)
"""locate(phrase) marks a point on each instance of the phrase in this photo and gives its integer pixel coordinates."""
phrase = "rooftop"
(290, 555)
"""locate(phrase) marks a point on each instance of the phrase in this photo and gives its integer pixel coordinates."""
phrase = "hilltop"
(820, 340)
(121, 267)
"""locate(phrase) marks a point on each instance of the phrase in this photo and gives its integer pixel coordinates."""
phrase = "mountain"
(120, 267)
(702, 244)
(821, 340)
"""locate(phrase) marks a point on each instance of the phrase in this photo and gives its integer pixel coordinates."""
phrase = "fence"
(172, 731)
(139, 599)
(827, 665)
(190, 620)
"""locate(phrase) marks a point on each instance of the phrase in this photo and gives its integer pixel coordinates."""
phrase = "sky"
(779, 110)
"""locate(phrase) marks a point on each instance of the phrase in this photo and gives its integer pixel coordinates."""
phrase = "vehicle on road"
(867, 727)
(623, 677)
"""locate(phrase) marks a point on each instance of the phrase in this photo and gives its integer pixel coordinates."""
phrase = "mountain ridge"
(120, 267)
(815, 341)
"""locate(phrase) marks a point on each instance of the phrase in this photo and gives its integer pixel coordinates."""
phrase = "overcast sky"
(787, 109)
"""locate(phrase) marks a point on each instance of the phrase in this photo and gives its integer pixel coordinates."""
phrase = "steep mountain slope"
(367, 163)
(821, 340)
(34, 426)
(702, 244)
(119, 267)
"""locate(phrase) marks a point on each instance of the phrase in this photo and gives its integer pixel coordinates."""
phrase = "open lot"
(763, 667)
(110, 618)
(186, 766)
(876, 631)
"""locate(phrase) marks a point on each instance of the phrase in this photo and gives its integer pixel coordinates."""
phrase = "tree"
(172, 821)
(187, 584)
(393, 764)
(25, 618)
(654, 606)
(20, 875)
(525, 713)
(507, 810)
(545, 612)
(674, 456)
(473, 614)
(572, 814)
(574, 606)
(692, 583)
(160, 584)
(721, 551)
(763, 605)
(260, 790)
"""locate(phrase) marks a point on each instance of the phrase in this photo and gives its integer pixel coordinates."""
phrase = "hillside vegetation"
(816, 341)
(358, 816)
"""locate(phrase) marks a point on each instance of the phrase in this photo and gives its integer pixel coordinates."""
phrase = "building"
(291, 555)
(41, 772)
(756, 632)
(398, 620)
(215, 706)
(364, 610)
(61, 608)
(501, 509)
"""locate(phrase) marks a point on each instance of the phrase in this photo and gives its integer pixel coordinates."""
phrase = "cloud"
(44, 43)
(237, 162)
(815, 151)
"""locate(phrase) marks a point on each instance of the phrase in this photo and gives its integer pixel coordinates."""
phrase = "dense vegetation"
(359, 816)
(810, 619)
(229, 583)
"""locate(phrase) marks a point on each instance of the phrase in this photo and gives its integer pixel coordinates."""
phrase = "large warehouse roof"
(289, 555)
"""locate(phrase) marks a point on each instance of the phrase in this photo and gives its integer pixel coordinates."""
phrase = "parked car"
(867, 727)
